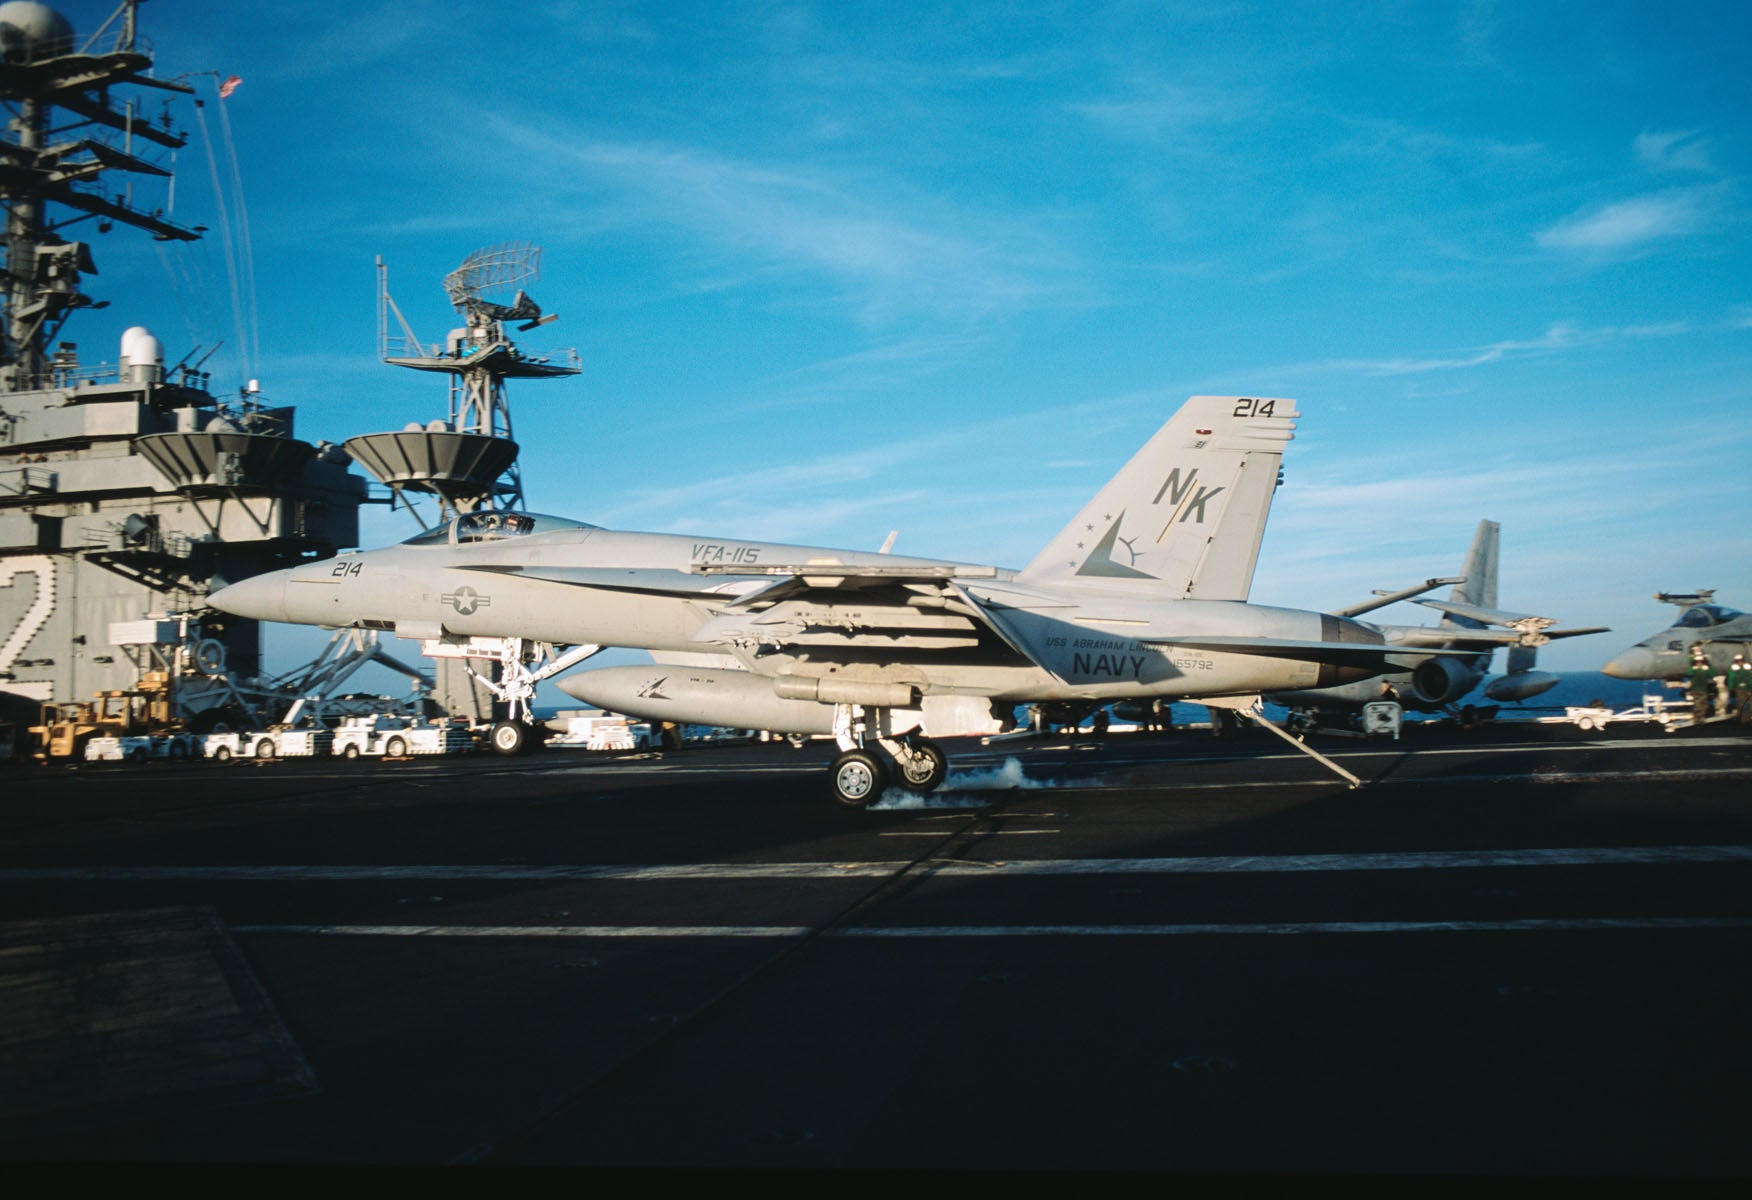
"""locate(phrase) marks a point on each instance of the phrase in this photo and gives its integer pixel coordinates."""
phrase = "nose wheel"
(510, 738)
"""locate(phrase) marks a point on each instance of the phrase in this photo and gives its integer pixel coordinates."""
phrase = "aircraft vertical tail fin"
(1478, 575)
(1184, 518)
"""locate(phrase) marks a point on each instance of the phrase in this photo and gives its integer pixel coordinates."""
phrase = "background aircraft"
(1470, 631)
(1143, 595)
(1721, 632)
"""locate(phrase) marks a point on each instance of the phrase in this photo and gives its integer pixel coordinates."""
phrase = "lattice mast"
(479, 357)
(45, 158)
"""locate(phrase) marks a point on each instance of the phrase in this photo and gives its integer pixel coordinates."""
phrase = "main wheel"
(265, 748)
(352, 750)
(926, 769)
(510, 737)
(223, 753)
(858, 778)
(394, 748)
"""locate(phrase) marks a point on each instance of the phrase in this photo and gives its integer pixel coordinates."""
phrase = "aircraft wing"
(796, 579)
(854, 606)
(645, 580)
(1435, 637)
(1383, 599)
(804, 603)
(1532, 630)
(1488, 616)
(789, 581)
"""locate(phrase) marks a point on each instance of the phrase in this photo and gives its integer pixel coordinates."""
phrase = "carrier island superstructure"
(128, 490)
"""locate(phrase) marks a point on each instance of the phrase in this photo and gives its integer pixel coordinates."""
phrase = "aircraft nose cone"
(1634, 663)
(262, 598)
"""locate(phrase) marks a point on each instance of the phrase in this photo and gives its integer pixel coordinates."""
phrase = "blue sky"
(835, 270)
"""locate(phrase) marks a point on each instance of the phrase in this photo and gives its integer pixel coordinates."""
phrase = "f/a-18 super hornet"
(1722, 632)
(1467, 637)
(1142, 596)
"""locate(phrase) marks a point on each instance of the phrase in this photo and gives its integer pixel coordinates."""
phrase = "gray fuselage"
(568, 584)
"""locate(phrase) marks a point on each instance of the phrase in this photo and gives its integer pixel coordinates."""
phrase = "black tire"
(352, 750)
(222, 754)
(925, 771)
(510, 738)
(179, 749)
(395, 748)
(858, 778)
(264, 749)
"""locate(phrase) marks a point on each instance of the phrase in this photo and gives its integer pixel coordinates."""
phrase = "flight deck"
(1521, 951)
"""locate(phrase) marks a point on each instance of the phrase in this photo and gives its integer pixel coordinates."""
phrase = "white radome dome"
(30, 31)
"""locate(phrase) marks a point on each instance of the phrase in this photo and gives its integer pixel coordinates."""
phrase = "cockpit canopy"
(492, 526)
(1705, 616)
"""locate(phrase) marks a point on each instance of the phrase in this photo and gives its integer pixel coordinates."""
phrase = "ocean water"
(1580, 687)
(1574, 688)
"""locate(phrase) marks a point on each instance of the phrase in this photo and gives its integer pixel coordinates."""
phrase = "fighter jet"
(1721, 632)
(1143, 595)
(1470, 631)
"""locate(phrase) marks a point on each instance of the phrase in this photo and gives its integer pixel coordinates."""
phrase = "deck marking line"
(910, 932)
(1414, 860)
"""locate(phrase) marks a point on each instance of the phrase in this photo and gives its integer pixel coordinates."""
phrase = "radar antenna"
(497, 269)
(468, 461)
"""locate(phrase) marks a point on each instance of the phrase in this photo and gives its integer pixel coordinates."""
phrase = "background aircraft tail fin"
(1478, 574)
(1184, 518)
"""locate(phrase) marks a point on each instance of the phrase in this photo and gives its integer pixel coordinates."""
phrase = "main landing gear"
(522, 664)
(871, 757)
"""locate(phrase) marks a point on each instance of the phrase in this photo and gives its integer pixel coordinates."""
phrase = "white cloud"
(1159, 110)
(1630, 225)
(1686, 150)
(356, 40)
(1560, 337)
(890, 254)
